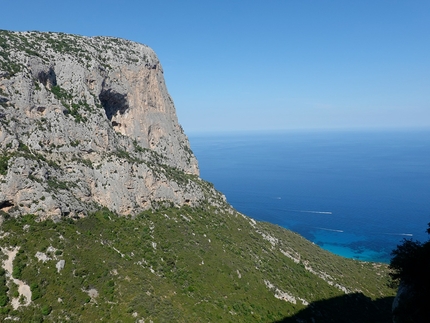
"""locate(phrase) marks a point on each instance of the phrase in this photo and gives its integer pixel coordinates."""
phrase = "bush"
(35, 291)
(3, 300)
(4, 310)
(81, 272)
(19, 264)
(46, 309)
(60, 93)
(4, 160)
(411, 262)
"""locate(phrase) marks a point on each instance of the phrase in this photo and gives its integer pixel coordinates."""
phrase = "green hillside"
(184, 265)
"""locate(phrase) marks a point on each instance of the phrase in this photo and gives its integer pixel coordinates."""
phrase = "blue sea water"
(356, 194)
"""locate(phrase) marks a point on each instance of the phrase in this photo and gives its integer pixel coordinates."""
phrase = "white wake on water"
(399, 234)
(315, 212)
(327, 229)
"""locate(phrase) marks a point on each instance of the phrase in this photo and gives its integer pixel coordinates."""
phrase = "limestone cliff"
(87, 121)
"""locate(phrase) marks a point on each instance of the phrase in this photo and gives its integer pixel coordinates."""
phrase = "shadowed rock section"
(47, 78)
(6, 205)
(349, 308)
(113, 103)
(42, 72)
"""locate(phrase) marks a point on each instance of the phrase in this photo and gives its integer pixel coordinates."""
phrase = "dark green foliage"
(37, 86)
(4, 310)
(6, 63)
(46, 309)
(81, 272)
(74, 143)
(138, 148)
(411, 267)
(35, 291)
(4, 160)
(74, 108)
(411, 262)
(407, 261)
(19, 264)
(4, 299)
(123, 154)
(175, 174)
(24, 148)
(74, 111)
(3, 93)
(61, 93)
(32, 52)
(57, 185)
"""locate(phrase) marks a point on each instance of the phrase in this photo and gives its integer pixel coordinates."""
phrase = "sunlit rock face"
(87, 121)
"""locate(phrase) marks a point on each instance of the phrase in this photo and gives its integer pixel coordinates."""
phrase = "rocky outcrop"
(88, 121)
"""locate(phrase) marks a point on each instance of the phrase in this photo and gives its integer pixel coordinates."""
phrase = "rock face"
(88, 122)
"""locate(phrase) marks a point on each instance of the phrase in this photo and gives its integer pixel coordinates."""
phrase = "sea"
(357, 194)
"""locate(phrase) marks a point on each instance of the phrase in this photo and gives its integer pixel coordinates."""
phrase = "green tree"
(411, 267)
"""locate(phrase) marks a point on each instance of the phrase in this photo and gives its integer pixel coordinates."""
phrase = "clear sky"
(273, 64)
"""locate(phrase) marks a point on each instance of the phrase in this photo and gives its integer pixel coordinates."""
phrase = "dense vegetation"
(176, 265)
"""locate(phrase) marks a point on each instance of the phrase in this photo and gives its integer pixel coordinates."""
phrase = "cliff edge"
(87, 121)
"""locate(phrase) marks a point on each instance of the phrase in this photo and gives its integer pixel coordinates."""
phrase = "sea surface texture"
(356, 194)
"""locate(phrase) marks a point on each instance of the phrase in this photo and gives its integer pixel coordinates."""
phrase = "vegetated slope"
(201, 264)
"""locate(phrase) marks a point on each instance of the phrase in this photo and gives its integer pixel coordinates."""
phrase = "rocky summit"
(104, 218)
(86, 122)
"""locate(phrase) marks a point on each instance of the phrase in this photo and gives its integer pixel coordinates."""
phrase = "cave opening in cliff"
(5, 205)
(47, 78)
(113, 103)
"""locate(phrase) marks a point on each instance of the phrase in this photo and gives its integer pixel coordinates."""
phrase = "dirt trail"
(23, 289)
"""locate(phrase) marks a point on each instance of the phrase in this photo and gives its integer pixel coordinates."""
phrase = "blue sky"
(268, 65)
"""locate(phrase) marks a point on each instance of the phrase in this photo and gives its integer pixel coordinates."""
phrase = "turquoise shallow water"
(356, 194)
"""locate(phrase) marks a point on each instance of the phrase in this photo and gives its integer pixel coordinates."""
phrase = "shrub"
(4, 160)
(411, 262)
(46, 309)
(60, 93)
(3, 288)
(3, 300)
(19, 264)
(35, 291)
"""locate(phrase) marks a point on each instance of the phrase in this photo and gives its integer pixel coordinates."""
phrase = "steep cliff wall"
(87, 121)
